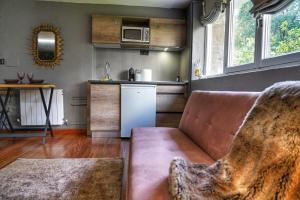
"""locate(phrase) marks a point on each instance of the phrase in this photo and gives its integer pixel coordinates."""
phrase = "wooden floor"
(65, 146)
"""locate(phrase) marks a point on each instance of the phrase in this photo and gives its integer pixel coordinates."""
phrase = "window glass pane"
(242, 33)
(282, 31)
(215, 46)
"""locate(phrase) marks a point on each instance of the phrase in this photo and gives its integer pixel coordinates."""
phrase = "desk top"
(26, 86)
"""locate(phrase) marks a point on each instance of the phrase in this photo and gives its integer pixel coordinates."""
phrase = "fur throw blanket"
(263, 162)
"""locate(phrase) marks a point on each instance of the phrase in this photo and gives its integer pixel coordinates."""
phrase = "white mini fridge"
(138, 107)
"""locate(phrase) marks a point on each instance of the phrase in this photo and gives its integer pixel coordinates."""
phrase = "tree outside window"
(274, 41)
(282, 31)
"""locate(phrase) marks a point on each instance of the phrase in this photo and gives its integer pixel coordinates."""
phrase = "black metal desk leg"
(5, 102)
(4, 112)
(47, 110)
(49, 107)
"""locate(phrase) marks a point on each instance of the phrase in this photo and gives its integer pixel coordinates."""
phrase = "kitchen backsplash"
(164, 65)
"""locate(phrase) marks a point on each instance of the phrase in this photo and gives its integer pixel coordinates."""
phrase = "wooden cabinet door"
(170, 103)
(167, 32)
(168, 119)
(171, 89)
(104, 107)
(106, 29)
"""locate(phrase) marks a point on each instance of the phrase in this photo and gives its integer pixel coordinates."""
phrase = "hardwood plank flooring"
(65, 146)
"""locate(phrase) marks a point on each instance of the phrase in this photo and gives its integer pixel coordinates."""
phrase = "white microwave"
(135, 34)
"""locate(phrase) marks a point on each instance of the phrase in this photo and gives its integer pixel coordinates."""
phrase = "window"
(250, 43)
(282, 32)
(241, 34)
(215, 41)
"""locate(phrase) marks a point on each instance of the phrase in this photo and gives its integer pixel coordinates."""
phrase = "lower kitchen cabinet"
(168, 119)
(104, 107)
(103, 110)
(170, 103)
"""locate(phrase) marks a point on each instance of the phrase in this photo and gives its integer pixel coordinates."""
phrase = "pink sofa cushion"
(152, 150)
(211, 119)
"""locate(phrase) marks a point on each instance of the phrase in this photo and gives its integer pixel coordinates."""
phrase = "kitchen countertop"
(137, 82)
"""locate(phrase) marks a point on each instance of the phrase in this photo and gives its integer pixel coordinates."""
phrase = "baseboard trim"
(76, 131)
(105, 134)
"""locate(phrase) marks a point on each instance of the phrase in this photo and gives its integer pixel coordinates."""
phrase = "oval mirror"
(46, 45)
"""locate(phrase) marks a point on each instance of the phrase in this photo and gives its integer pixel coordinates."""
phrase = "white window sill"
(266, 68)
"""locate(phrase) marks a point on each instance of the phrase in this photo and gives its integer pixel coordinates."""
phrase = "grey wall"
(164, 65)
(185, 61)
(193, 55)
(198, 39)
(247, 81)
(184, 64)
(252, 81)
(19, 17)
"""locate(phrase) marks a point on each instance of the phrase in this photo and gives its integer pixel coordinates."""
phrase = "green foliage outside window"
(244, 43)
(285, 33)
(285, 30)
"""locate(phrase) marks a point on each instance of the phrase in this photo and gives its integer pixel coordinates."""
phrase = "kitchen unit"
(107, 32)
(104, 105)
(138, 107)
(171, 100)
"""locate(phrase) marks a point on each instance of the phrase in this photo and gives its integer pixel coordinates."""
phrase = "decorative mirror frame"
(58, 46)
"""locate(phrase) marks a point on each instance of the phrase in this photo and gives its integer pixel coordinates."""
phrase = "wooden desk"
(4, 115)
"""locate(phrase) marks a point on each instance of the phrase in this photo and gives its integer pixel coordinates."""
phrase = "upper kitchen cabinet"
(106, 29)
(164, 33)
(168, 33)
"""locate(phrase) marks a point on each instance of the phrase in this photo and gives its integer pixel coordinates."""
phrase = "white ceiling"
(146, 3)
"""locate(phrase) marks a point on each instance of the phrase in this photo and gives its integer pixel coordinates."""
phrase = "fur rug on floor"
(80, 178)
(263, 162)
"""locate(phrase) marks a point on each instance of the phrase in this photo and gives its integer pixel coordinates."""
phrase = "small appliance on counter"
(146, 74)
(131, 75)
(138, 75)
(178, 79)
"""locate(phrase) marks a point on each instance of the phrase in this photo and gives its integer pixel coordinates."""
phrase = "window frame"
(207, 54)
(228, 37)
(287, 60)
(276, 60)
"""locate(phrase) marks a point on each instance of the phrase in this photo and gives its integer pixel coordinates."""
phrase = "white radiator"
(32, 111)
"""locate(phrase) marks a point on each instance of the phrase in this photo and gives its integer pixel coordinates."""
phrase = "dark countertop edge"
(137, 82)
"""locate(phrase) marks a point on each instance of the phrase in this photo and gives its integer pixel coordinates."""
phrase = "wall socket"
(2, 61)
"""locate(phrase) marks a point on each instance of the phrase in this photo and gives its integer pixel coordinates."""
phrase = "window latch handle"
(259, 22)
